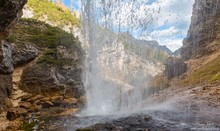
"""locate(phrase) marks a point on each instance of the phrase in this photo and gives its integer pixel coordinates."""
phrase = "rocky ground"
(31, 110)
(171, 109)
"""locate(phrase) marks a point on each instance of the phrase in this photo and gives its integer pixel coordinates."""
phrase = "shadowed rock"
(11, 11)
(174, 67)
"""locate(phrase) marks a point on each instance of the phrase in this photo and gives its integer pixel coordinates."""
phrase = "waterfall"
(113, 82)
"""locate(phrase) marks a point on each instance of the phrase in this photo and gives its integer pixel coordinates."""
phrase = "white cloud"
(171, 22)
(172, 44)
(166, 21)
(171, 31)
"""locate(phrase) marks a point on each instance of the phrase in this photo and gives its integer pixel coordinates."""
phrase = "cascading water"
(110, 85)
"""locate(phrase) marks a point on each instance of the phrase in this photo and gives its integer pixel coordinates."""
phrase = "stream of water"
(110, 87)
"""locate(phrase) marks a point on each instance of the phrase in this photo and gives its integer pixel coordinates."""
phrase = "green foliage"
(54, 13)
(46, 38)
(45, 35)
(12, 38)
(209, 73)
(28, 126)
(52, 60)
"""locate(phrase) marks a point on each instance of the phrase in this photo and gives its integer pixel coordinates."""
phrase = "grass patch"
(28, 126)
(209, 73)
(60, 16)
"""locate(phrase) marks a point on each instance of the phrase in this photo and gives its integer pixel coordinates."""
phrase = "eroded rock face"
(51, 79)
(5, 91)
(6, 61)
(204, 28)
(24, 53)
(10, 11)
(174, 67)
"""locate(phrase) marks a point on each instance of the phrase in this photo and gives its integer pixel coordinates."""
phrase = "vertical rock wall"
(204, 28)
(10, 12)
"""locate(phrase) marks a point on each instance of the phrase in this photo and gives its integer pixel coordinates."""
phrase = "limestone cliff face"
(10, 12)
(204, 28)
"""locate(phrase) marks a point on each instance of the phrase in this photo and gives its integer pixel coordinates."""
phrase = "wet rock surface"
(175, 109)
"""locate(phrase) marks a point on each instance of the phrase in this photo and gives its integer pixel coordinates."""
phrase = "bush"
(51, 60)
(12, 38)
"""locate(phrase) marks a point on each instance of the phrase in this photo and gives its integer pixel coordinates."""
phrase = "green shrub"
(46, 38)
(54, 13)
(52, 60)
(12, 38)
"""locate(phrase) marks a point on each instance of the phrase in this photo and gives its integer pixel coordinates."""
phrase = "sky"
(166, 21)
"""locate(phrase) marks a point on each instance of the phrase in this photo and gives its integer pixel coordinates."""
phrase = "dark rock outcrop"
(5, 91)
(6, 68)
(6, 61)
(174, 67)
(24, 53)
(204, 28)
(10, 12)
